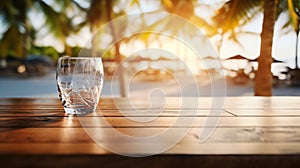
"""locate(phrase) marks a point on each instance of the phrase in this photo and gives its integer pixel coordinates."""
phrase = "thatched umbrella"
(238, 57)
(274, 60)
(138, 59)
(210, 58)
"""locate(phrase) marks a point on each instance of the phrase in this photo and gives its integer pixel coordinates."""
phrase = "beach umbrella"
(210, 58)
(277, 61)
(39, 59)
(240, 62)
(138, 59)
(274, 60)
(162, 58)
(237, 57)
(211, 62)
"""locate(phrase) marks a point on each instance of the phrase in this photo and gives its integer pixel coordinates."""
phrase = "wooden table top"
(266, 130)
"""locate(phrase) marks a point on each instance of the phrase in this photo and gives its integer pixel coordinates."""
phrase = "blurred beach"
(45, 86)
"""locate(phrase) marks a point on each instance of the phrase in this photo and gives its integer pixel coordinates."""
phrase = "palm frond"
(11, 41)
(202, 23)
(293, 8)
(236, 13)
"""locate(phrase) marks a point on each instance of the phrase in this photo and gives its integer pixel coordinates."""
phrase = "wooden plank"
(265, 112)
(51, 148)
(220, 135)
(110, 113)
(32, 113)
(260, 125)
(24, 122)
(231, 103)
(116, 103)
(157, 161)
(45, 135)
(262, 103)
(190, 149)
(31, 106)
(8, 101)
(236, 148)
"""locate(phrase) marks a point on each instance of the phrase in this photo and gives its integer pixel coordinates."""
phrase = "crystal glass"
(79, 82)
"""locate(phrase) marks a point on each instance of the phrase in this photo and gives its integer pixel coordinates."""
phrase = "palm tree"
(264, 77)
(294, 9)
(96, 17)
(100, 13)
(231, 17)
(59, 23)
(235, 13)
(14, 17)
(186, 9)
(19, 33)
(110, 15)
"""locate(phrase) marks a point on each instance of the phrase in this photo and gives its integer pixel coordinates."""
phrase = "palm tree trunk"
(220, 43)
(109, 10)
(94, 42)
(263, 77)
(68, 50)
(296, 57)
(26, 38)
(93, 48)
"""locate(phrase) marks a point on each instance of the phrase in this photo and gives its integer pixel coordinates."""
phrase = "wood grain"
(262, 129)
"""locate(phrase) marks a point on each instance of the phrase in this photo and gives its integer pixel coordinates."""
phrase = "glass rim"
(69, 57)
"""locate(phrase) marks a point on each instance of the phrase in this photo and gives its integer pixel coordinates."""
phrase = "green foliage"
(294, 11)
(10, 43)
(19, 36)
(236, 13)
(67, 17)
(45, 51)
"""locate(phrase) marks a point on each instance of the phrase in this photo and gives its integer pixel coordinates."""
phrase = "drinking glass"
(79, 82)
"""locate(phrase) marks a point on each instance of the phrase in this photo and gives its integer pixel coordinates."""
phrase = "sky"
(283, 44)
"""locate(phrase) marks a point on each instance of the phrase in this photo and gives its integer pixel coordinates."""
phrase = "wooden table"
(261, 131)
